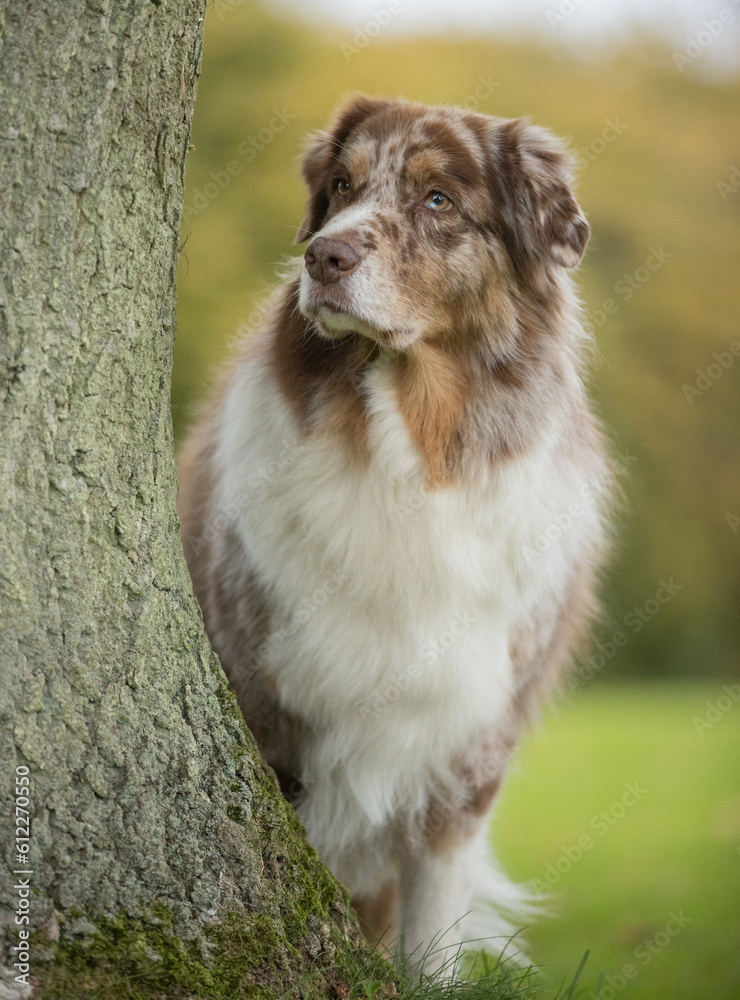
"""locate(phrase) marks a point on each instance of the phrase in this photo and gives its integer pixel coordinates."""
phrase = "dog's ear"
(542, 218)
(322, 150)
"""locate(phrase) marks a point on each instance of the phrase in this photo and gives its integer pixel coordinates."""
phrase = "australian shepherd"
(393, 506)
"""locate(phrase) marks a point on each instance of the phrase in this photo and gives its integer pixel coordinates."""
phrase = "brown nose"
(328, 260)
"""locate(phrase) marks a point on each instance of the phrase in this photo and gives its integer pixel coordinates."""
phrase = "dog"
(395, 505)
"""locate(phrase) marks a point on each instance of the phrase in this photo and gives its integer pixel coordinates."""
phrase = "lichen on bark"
(164, 860)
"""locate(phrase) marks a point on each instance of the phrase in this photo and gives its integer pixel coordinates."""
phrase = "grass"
(655, 892)
(485, 978)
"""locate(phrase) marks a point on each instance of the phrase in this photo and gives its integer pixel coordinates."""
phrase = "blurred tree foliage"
(659, 154)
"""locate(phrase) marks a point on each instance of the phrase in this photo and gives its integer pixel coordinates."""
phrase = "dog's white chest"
(378, 587)
(390, 606)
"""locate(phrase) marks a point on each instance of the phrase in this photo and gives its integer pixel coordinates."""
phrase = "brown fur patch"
(428, 168)
(541, 647)
(321, 157)
(321, 378)
(450, 823)
(196, 482)
(378, 916)
(232, 601)
(360, 159)
(460, 160)
(432, 393)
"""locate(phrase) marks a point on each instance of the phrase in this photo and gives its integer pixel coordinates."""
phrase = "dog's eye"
(438, 202)
(341, 185)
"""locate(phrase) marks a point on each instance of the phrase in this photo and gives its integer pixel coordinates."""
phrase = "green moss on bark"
(246, 958)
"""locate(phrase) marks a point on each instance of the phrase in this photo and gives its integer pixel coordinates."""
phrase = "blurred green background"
(659, 179)
(624, 808)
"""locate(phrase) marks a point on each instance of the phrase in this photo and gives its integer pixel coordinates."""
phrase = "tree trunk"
(163, 860)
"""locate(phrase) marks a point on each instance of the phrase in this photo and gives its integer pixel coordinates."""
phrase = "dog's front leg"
(446, 866)
(437, 888)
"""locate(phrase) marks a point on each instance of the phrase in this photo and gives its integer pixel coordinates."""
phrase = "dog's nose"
(328, 260)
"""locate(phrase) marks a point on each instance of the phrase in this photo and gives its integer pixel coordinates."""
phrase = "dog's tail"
(500, 913)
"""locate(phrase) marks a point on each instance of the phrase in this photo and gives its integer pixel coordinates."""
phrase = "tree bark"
(164, 861)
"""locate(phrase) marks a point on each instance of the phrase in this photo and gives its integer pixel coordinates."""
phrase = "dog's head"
(422, 220)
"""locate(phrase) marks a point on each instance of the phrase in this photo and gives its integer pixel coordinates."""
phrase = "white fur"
(339, 550)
